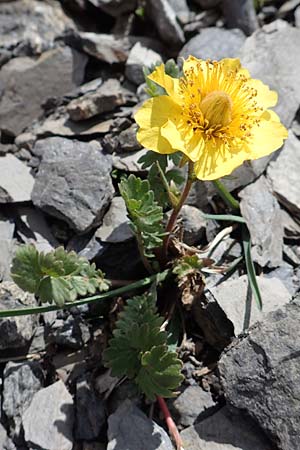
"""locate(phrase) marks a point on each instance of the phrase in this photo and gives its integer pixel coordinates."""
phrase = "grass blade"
(228, 217)
(250, 268)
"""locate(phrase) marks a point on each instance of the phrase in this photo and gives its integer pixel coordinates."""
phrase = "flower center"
(216, 108)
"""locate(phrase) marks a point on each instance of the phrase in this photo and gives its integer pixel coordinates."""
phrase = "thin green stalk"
(176, 210)
(225, 217)
(225, 194)
(122, 290)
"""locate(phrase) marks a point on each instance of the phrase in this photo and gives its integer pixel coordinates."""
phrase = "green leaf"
(58, 276)
(250, 268)
(158, 164)
(138, 349)
(186, 265)
(145, 214)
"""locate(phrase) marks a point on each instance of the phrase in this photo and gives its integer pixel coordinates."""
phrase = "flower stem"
(176, 210)
(173, 430)
(225, 194)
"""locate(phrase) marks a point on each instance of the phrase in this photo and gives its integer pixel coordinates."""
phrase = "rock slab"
(16, 182)
(261, 375)
(73, 182)
(53, 407)
(130, 429)
(262, 213)
(225, 430)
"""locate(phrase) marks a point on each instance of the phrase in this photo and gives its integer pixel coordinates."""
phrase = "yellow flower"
(216, 114)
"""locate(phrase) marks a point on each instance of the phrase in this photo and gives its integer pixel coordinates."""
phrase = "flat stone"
(5, 442)
(262, 213)
(71, 332)
(33, 229)
(115, 7)
(278, 70)
(260, 375)
(7, 228)
(53, 406)
(29, 27)
(193, 224)
(20, 382)
(115, 227)
(127, 141)
(233, 298)
(138, 57)
(214, 43)
(225, 430)
(129, 161)
(73, 182)
(16, 181)
(129, 429)
(287, 8)
(192, 406)
(297, 17)
(90, 411)
(108, 97)
(164, 18)
(104, 47)
(240, 14)
(28, 82)
(288, 163)
(15, 332)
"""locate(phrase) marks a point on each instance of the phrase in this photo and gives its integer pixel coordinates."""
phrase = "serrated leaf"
(58, 276)
(144, 212)
(138, 349)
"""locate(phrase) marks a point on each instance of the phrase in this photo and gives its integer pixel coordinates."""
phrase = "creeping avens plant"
(204, 122)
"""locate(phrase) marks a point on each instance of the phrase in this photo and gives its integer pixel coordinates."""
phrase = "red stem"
(173, 430)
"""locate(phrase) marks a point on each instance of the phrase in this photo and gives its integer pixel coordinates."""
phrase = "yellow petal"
(156, 111)
(230, 64)
(170, 132)
(171, 85)
(265, 97)
(267, 137)
(152, 115)
(153, 140)
(216, 161)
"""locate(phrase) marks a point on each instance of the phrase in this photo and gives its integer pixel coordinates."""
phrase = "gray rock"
(260, 375)
(127, 141)
(29, 27)
(33, 229)
(53, 406)
(240, 14)
(90, 411)
(297, 17)
(233, 297)
(207, 4)
(108, 97)
(71, 332)
(5, 442)
(164, 18)
(192, 406)
(129, 161)
(130, 429)
(202, 20)
(225, 430)
(284, 175)
(262, 213)
(7, 229)
(115, 7)
(279, 69)
(193, 224)
(291, 226)
(21, 382)
(73, 182)
(214, 43)
(139, 56)
(15, 332)
(16, 181)
(285, 273)
(28, 82)
(104, 47)
(115, 227)
(181, 9)
(287, 7)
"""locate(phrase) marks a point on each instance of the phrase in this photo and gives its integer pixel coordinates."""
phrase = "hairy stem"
(225, 194)
(173, 430)
(141, 248)
(176, 210)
